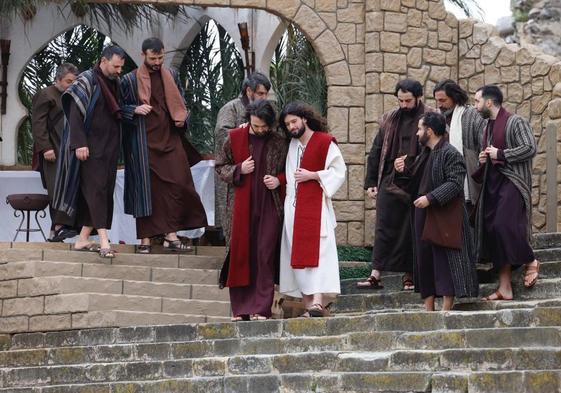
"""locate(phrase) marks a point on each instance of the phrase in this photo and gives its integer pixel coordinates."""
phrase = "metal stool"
(27, 203)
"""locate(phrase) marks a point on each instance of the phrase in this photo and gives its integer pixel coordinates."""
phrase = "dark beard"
(262, 135)
(300, 132)
(153, 67)
(423, 140)
(485, 113)
(409, 111)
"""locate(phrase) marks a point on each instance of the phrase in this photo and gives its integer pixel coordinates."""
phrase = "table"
(123, 227)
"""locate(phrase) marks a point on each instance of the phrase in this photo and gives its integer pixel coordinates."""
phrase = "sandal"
(240, 318)
(498, 296)
(258, 317)
(407, 283)
(305, 315)
(316, 310)
(370, 283)
(144, 249)
(106, 253)
(176, 245)
(530, 270)
(89, 248)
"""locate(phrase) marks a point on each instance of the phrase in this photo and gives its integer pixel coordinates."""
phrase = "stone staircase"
(378, 341)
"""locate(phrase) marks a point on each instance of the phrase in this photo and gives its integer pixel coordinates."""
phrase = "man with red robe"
(251, 163)
(315, 170)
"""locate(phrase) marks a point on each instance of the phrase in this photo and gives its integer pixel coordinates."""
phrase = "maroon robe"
(175, 203)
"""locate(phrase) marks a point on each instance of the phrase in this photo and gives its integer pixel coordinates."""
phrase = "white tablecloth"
(123, 227)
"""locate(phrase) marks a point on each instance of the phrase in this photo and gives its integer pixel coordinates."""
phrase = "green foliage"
(352, 253)
(214, 71)
(80, 46)
(354, 272)
(296, 72)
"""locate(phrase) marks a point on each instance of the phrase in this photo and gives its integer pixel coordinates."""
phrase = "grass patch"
(354, 272)
(353, 253)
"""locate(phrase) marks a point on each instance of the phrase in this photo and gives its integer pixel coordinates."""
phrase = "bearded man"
(393, 244)
(159, 189)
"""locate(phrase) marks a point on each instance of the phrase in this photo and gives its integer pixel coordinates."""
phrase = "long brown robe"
(393, 244)
(47, 123)
(99, 171)
(175, 203)
(269, 155)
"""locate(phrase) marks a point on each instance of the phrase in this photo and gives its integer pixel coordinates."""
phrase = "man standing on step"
(315, 170)
(87, 168)
(445, 264)
(255, 87)
(47, 124)
(159, 189)
(465, 129)
(393, 244)
(251, 163)
(503, 220)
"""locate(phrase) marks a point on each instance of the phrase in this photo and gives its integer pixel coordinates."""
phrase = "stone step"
(184, 261)
(546, 240)
(54, 285)
(475, 342)
(460, 328)
(29, 269)
(174, 381)
(365, 300)
(85, 302)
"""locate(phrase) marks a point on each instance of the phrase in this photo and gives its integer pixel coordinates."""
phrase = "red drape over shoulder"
(239, 271)
(309, 198)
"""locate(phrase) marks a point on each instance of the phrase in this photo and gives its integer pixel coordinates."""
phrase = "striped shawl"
(84, 92)
(519, 152)
(447, 179)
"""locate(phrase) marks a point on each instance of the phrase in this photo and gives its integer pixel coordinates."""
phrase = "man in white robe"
(309, 266)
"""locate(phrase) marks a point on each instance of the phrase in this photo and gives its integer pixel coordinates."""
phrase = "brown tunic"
(175, 203)
(47, 123)
(98, 172)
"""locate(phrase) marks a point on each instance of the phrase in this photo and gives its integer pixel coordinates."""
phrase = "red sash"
(309, 195)
(239, 271)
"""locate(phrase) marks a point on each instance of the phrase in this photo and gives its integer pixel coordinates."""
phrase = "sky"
(491, 9)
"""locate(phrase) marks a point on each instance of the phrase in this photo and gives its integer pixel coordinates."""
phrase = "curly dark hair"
(315, 121)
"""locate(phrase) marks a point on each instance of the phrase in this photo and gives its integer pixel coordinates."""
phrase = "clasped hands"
(248, 166)
(492, 151)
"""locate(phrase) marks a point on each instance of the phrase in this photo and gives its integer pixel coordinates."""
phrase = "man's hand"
(82, 153)
(372, 192)
(492, 151)
(49, 155)
(421, 202)
(399, 163)
(143, 109)
(483, 157)
(271, 182)
(303, 175)
(248, 166)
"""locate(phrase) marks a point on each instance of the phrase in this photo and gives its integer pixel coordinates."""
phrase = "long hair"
(315, 121)
(452, 90)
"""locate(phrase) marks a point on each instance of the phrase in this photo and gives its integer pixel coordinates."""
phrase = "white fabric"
(123, 227)
(324, 278)
(456, 138)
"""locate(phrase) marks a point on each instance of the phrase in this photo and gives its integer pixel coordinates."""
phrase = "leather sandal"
(316, 310)
(407, 283)
(529, 271)
(498, 296)
(176, 245)
(258, 317)
(106, 253)
(370, 283)
(144, 249)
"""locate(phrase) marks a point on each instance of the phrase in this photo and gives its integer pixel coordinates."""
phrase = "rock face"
(539, 23)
